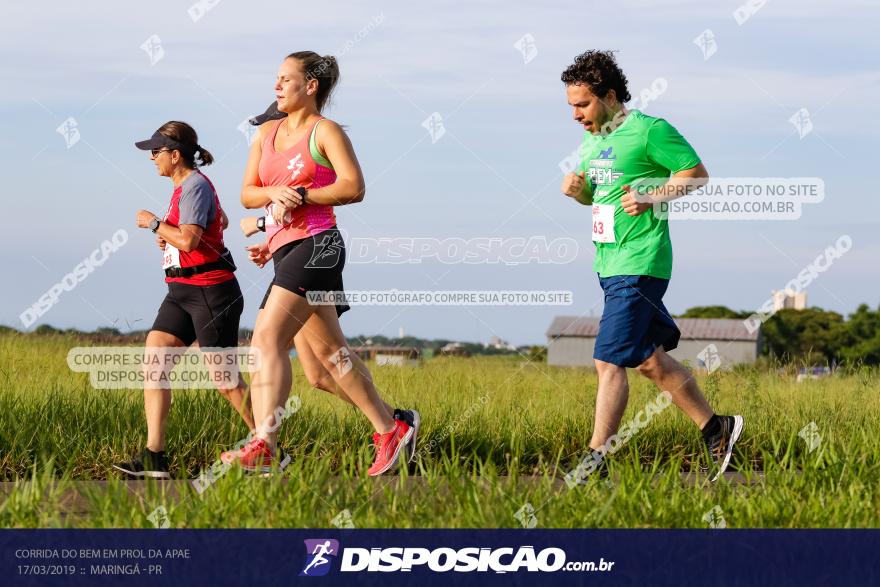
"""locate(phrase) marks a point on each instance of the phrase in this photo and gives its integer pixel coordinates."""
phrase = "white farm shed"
(706, 343)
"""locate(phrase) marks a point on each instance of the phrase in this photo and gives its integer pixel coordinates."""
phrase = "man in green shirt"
(623, 151)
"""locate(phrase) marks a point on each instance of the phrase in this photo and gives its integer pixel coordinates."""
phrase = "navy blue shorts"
(635, 322)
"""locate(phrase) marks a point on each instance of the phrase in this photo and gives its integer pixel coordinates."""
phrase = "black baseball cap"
(271, 113)
(158, 141)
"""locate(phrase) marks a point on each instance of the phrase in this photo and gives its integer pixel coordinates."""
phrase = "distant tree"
(108, 331)
(537, 353)
(863, 336)
(43, 329)
(812, 335)
(713, 312)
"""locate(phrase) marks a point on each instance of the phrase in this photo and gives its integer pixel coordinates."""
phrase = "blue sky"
(495, 171)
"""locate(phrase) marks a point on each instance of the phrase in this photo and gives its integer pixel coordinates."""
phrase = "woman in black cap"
(204, 302)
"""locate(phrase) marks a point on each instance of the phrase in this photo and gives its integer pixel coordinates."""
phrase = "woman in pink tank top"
(300, 166)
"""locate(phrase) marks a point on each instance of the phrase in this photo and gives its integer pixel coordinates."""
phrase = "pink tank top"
(295, 167)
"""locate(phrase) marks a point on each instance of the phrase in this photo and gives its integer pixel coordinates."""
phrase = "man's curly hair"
(599, 71)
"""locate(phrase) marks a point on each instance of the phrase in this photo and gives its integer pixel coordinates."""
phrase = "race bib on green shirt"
(642, 149)
(603, 223)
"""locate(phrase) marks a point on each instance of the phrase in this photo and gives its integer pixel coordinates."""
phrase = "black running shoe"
(283, 459)
(721, 444)
(147, 465)
(413, 420)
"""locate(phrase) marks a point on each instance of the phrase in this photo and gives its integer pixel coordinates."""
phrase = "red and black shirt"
(195, 201)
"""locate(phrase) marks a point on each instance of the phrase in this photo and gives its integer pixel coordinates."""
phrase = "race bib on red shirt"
(171, 256)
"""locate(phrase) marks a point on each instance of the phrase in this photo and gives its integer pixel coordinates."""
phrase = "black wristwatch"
(302, 191)
(261, 223)
(154, 224)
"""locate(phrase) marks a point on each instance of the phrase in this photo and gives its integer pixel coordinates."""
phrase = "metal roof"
(691, 328)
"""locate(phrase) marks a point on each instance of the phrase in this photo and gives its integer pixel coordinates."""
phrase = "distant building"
(705, 343)
(454, 349)
(397, 356)
(496, 342)
(787, 299)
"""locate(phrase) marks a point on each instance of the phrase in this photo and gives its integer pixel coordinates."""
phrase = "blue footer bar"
(441, 557)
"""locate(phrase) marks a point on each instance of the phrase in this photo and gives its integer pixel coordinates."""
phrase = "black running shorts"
(311, 264)
(207, 313)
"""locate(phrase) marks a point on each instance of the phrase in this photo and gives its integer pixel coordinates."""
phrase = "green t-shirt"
(641, 148)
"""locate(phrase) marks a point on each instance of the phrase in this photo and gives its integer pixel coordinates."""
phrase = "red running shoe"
(254, 457)
(388, 447)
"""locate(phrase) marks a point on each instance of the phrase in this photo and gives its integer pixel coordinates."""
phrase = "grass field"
(497, 433)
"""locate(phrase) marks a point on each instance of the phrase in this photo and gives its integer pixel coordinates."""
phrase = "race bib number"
(603, 223)
(171, 256)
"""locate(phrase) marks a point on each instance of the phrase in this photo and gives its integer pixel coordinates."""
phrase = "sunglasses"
(155, 152)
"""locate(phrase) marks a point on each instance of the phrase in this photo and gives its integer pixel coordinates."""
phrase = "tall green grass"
(497, 433)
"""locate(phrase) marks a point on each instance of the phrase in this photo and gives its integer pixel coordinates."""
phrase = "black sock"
(159, 453)
(712, 427)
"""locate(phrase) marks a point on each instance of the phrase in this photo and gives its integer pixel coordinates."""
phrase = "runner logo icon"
(318, 553)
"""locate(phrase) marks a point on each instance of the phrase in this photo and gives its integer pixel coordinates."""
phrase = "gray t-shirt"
(196, 204)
